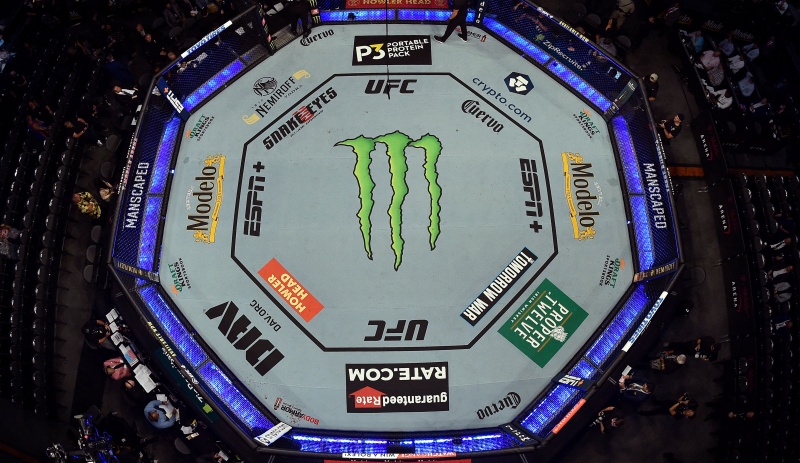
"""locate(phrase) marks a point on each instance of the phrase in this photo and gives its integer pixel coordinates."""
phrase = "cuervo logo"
(313, 38)
(396, 144)
(473, 107)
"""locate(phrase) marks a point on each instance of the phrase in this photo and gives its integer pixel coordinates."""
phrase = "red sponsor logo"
(290, 290)
(367, 397)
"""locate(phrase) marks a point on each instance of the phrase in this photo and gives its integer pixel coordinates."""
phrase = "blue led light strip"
(517, 40)
(158, 181)
(213, 84)
(558, 401)
(630, 165)
(603, 350)
(360, 15)
(571, 79)
(147, 245)
(641, 231)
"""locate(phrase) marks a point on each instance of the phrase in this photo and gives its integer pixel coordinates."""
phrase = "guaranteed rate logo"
(397, 387)
(396, 144)
(299, 118)
(473, 107)
(391, 49)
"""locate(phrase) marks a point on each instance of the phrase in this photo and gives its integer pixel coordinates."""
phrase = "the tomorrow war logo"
(396, 144)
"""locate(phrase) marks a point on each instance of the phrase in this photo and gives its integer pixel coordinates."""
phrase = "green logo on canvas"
(397, 144)
(543, 323)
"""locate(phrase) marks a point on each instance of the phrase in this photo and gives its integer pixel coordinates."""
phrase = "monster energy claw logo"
(396, 144)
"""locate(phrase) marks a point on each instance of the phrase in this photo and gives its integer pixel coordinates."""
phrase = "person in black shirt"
(670, 128)
(457, 18)
(651, 86)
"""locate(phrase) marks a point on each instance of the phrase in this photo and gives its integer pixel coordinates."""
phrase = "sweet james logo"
(580, 200)
(543, 323)
(396, 144)
(611, 269)
(208, 195)
(269, 87)
(180, 280)
(584, 118)
(199, 129)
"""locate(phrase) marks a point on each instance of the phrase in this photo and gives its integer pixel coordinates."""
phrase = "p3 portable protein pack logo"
(391, 49)
(397, 387)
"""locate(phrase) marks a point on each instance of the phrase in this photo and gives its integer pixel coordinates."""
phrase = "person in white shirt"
(735, 63)
(723, 97)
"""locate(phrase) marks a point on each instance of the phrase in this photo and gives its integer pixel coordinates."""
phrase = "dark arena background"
(363, 244)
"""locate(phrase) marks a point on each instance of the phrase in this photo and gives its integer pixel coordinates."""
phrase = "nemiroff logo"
(313, 38)
(299, 118)
(584, 118)
(473, 107)
(580, 199)
(396, 144)
(391, 49)
(199, 129)
(180, 280)
(397, 387)
(268, 87)
(208, 194)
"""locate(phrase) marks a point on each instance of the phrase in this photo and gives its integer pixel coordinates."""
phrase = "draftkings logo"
(180, 280)
(199, 129)
(396, 144)
(584, 118)
(611, 270)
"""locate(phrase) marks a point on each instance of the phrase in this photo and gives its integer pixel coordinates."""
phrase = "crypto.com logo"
(396, 144)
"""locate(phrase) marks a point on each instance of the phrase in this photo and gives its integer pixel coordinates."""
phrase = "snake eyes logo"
(264, 86)
(519, 83)
(396, 144)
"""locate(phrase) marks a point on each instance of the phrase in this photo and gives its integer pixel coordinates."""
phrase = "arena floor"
(378, 232)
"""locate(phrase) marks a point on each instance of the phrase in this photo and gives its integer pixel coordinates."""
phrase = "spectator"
(81, 129)
(156, 413)
(127, 99)
(666, 361)
(781, 325)
(747, 86)
(86, 204)
(116, 368)
(105, 190)
(173, 16)
(711, 62)
(735, 64)
(704, 348)
(698, 41)
(8, 249)
(726, 46)
(457, 18)
(97, 333)
(299, 9)
(624, 9)
(721, 98)
(651, 86)
(751, 50)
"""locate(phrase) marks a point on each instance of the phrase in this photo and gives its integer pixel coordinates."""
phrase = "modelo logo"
(473, 107)
(308, 41)
(401, 373)
(244, 337)
(375, 86)
(580, 199)
(511, 401)
(416, 328)
(209, 200)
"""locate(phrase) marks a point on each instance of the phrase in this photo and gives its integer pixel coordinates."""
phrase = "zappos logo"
(519, 83)
(396, 144)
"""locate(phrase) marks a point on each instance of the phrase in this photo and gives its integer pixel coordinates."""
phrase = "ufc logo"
(416, 328)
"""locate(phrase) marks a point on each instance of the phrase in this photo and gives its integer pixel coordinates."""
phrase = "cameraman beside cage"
(684, 407)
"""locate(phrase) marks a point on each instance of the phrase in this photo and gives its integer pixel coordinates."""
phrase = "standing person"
(635, 389)
(608, 419)
(299, 9)
(651, 87)
(670, 128)
(457, 18)
(684, 407)
(86, 204)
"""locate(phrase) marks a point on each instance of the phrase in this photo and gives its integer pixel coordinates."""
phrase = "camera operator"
(684, 407)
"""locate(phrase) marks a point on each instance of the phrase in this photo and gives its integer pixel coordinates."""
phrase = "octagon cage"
(241, 43)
